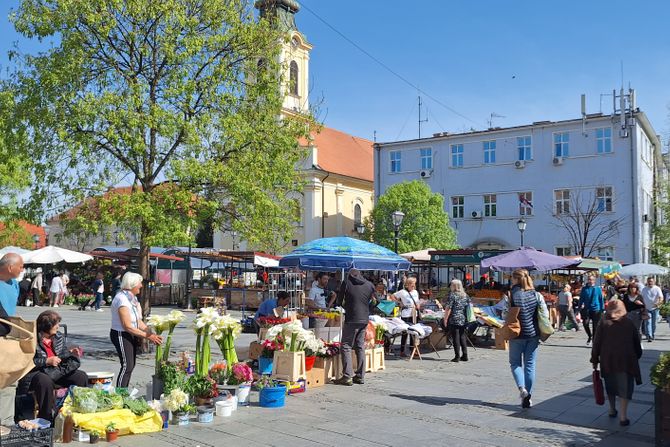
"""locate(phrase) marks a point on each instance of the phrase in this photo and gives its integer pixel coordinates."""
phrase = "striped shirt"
(526, 301)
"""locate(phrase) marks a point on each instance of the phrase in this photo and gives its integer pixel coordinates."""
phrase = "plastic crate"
(24, 438)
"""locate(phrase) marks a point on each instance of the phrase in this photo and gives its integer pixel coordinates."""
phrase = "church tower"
(294, 56)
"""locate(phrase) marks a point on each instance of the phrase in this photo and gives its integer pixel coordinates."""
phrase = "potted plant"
(111, 432)
(271, 393)
(172, 377)
(202, 388)
(177, 403)
(660, 377)
(159, 324)
(268, 353)
(313, 346)
(94, 437)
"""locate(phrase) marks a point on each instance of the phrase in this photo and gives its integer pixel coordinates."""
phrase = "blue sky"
(525, 60)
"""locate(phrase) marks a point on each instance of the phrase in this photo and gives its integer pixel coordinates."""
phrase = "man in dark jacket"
(357, 293)
(591, 306)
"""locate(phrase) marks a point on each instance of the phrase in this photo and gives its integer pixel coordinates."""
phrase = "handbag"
(644, 314)
(512, 327)
(18, 345)
(598, 391)
(67, 366)
(543, 320)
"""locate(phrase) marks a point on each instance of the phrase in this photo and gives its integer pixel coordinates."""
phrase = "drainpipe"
(635, 214)
(378, 172)
(323, 205)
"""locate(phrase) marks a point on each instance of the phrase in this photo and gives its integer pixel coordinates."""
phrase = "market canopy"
(527, 258)
(12, 249)
(419, 255)
(642, 269)
(337, 253)
(595, 264)
(52, 255)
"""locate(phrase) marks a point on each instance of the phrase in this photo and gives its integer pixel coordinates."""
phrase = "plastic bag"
(370, 332)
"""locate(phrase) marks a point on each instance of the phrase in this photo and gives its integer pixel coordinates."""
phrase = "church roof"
(344, 154)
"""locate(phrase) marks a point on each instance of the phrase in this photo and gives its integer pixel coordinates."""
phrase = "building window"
(524, 148)
(456, 155)
(489, 152)
(605, 253)
(395, 161)
(604, 198)
(358, 214)
(293, 78)
(457, 207)
(561, 144)
(562, 200)
(426, 158)
(563, 251)
(525, 203)
(604, 140)
(490, 205)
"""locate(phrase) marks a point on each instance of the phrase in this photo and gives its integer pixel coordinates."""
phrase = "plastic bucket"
(272, 397)
(205, 414)
(265, 365)
(224, 408)
(309, 362)
(243, 395)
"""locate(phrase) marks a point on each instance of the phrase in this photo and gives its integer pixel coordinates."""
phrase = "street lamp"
(360, 229)
(189, 283)
(521, 225)
(234, 235)
(116, 238)
(397, 217)
(36, 240)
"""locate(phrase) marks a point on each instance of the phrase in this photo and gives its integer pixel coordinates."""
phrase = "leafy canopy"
(140, 92)
(425, 225)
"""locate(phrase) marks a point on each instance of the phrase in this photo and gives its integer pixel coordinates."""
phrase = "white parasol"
(642, 269)
(52, 255)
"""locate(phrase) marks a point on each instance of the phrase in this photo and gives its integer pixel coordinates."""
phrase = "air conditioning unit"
(520, 164)
(476, 214)
(426, 173)
(558, 161)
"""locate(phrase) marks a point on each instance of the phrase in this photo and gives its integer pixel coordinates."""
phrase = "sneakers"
(358, 380)
(522, 393)
(588, 342)
(55, 305)
(526, 402)
(346, 381)
(99, 310)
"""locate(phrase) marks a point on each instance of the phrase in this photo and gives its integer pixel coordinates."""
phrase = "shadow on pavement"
(441, 401)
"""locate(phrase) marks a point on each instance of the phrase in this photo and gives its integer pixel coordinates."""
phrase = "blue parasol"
(337, 253)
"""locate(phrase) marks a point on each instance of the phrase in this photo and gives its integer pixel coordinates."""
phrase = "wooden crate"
(316, 377)
(332, 367)
(255, 350)
(501, 343)
(369, 360)
(289, 366)
(378, 359)
(262, 333)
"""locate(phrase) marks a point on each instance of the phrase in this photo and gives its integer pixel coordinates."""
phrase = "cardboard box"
(289, 366)
(255, 349)
(316, 377)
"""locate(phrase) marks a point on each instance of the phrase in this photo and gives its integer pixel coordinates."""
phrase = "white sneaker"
(588, 343)
(99, 310)
(522, 393)
(55, 305)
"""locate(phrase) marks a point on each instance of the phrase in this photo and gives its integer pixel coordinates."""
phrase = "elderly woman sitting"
(55, 366)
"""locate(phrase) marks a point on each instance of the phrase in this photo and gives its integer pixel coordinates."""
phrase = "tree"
(12, 233)
(425, 225)
(587, 220)
(142, 92)
(661, 227)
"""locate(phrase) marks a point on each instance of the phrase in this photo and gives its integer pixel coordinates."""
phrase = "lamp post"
(397, 217)
(189, 283)
(360, 229)
(36, 240)
(233, 234)
(116, 238)
(521, 225)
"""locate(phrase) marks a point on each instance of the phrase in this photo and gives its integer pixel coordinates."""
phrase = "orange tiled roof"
(344, 154)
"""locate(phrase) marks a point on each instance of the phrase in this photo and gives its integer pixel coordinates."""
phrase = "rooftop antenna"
(420, 120)
(493, 115)
(374, 136)
(584, 115)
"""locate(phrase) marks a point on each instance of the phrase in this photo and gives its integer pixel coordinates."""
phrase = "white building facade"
(491, 179)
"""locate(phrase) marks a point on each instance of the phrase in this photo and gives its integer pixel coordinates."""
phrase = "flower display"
(225, 330)
(330, 315)
(160, 324)
(268, 322)
(175, 401)
(270, 346)
(240, 373)
(294, 335)
(204, 325)
(219, 372)
(314, 347)
(380, 330)
(330, 350)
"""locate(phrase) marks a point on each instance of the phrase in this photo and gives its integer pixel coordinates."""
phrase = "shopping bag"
(512, 327)
(469, 313)
(386, 306)
(598, 391)
(543, 319)
(18, 345)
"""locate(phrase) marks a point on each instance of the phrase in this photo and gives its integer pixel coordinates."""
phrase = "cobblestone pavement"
(422, 403)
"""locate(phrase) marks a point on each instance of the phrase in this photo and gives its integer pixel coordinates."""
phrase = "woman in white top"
(565, 309)
(55, 290)
(409, 304)
(128, 329)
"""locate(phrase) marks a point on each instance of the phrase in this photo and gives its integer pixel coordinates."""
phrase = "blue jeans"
(651, 323)
(98, 300)
(522, 355)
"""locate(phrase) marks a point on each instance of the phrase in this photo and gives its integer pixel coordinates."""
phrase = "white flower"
(175, 400)
(273, 332)
(158, 323)
(207, 316)
(175, 317)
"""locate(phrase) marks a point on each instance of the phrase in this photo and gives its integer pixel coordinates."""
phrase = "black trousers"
(594, 317)
(459, 340)
(403, 337)
(126, 349)
(353, 337)
(43, 387)
(36, 296)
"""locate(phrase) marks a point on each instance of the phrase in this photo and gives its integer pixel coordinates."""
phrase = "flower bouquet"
(294, 335)
(159, 324)
(177, 403)
(204, 325)
(240, 374)
(219, 373)
(268, 322)
(225, 330)
(330, 350)
(380, 331)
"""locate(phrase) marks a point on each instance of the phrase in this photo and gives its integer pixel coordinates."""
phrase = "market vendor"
(55, 366)
(268, 306)
(320, 297)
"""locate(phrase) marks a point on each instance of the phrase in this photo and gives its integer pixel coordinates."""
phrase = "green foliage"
(11, 233)
(660, 372)
(661, 231)
(426, 224)
(141, 91)
(172, 376)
